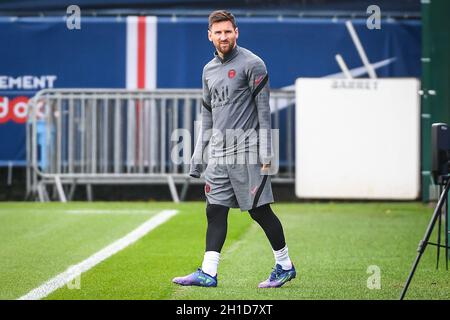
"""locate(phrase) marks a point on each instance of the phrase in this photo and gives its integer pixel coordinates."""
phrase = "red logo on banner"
(231, 73)
(4, 109)
(15, 110)
(19, 107)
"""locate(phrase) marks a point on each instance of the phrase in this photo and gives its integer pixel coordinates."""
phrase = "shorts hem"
(259, 205)
(222, 203)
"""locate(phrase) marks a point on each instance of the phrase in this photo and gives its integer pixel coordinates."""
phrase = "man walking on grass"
(236, 124)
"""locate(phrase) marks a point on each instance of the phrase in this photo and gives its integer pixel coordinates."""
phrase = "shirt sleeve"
(196, 166)
(258, 79)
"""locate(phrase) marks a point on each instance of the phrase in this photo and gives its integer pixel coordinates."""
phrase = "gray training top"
(236, 114)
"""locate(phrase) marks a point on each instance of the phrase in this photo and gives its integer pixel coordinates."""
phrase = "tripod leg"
(411, 274)
(423, 243)
(439, 239)
(446, 233)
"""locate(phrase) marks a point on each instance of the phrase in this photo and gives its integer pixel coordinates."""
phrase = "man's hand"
(195, 170)
(265, 168)
(194, 175)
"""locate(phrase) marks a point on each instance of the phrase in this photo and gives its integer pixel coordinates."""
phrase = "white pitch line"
(75, 271)
(115, 211)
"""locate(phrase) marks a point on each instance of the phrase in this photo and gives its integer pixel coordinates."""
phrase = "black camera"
(440, 144)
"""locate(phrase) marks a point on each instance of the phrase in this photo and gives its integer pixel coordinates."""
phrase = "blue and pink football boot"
(278, 277)
(198, 278)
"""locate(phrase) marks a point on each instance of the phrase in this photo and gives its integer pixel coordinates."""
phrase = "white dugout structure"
(358, 138)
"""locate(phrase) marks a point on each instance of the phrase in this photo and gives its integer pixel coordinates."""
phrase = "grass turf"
(331, 244)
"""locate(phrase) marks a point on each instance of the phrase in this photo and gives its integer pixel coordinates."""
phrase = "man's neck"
(222, 56)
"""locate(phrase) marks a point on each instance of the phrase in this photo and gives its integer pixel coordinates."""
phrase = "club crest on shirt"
(207, 188)
(231, 73)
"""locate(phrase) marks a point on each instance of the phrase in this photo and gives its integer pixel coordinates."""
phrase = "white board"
(357, 138)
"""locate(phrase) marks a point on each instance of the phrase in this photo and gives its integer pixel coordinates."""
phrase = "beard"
(225, 47)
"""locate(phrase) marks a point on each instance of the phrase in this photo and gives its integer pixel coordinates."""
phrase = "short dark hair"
(219, 16)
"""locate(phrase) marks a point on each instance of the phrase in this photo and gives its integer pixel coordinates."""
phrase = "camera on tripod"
(440, 150)
(440, 163)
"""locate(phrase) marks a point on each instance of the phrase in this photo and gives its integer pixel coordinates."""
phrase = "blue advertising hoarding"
(150, 52)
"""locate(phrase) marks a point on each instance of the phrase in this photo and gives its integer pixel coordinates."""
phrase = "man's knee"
(258, 213)
(216, 212)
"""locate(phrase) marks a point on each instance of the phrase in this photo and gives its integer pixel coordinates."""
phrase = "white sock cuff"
(281, 252)
(212, 255)
(282, 258)
(211, 262)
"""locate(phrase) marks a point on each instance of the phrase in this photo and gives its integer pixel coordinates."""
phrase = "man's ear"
(237, 33)
(209, 35)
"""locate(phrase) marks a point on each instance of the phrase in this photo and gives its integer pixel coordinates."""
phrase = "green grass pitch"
(332, 245)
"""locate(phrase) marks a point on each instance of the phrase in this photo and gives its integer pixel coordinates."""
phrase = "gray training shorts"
(237, 185)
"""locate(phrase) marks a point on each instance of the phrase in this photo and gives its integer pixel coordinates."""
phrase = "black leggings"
(217, 226)
(271, 225)
(216, 232)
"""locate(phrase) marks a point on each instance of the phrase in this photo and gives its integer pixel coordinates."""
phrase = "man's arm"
(259, 85)
(205, 133)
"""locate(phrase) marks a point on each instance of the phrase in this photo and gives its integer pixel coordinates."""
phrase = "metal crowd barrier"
(114, 136)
